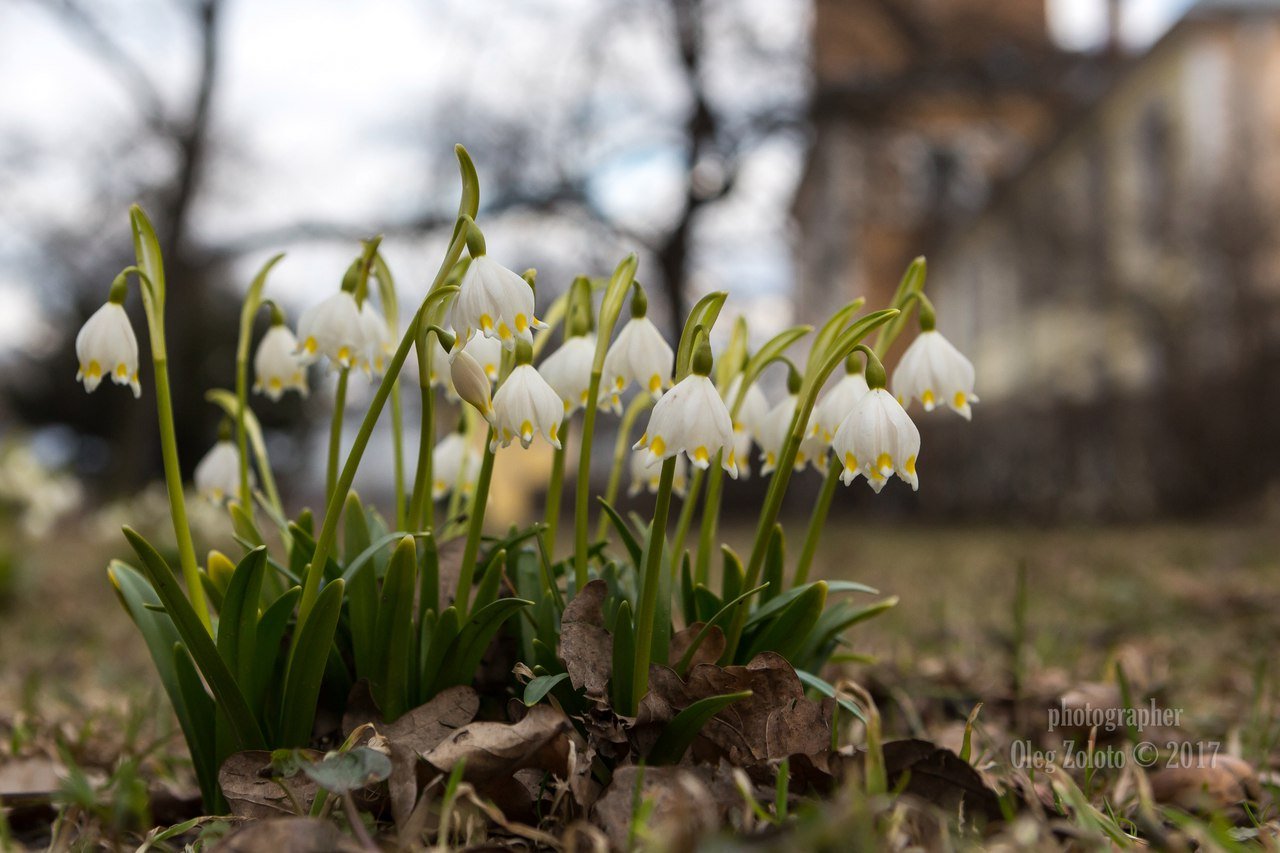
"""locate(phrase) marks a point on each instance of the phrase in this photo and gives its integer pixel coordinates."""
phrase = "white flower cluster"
(36, 496)
(347, 334)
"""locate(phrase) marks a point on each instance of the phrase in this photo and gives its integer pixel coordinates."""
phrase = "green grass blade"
(393, 636)
(629, 541)
(307, 664)
(624, 656)
(362, 587)
(199, 704)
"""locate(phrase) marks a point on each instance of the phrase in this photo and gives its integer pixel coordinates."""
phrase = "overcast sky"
(321, 98)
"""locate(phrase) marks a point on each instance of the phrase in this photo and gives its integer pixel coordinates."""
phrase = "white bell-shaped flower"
(639, 354)
(568, 371)
(218, 474)
(379, 345)
(494, 301)
(836, 405)
(488, 353)
(455, 464)
(748, 422)
(333, 329)
(468, 380)
(691, 419)
(646, 478)
(277, 367)
(934, 372)
(107, 346)
(524, 405)
(876, 440)
(774, 433)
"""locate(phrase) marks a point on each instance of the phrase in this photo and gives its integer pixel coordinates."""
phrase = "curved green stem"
(710, 522)
(555, 491)
(421, 505)
(335, 435)
(817, 521)
(650, 585)
(686, 514)
(621, 450)
(466, 574)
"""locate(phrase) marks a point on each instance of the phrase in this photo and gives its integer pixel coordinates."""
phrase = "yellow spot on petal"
(309, 346)
(655, 384)
(94, 370)
(850, 461)
(738, 427)
(486, 323)
(441, 485)
(700, 455)
(657, 447)
(960, 400)
(620, 383)
(910, 467)
(566, 405)
(526, 430)
(583, 397)
(555, 429)
(770, 458)
(884, 462)
(504, 331)
(927, 398)
(506, 434)
(275, 384)
(522, 323)
(121, 370)
(344, 354)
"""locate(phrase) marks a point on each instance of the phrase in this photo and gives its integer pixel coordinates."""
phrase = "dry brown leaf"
(938, 776)
(246, 782)
(585, 646)
(1221, 786)
(710, 650)
(494, 750)
(288, 835)
(686, 804)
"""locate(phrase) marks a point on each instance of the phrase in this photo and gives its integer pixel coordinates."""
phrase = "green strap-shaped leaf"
(200, 706)
(226, 690)
(721, 616)
(269, 663)
(827, 689)
(704, 314)
(490, 580)
(835, 622)
(775, 605)
(442, 637)
(244, 526)
(238, 620)
(629, 541)
(307, 664)
(428, 577)
(463, 659)
(680, 732)
(734, 575)
(393, 637)
(688, 604)
(362, 587)
(775, 558)
(787, 633)
(539, 687)
(624, 657)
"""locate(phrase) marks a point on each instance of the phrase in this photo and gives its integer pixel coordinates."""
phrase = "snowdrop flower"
(934, 372)
(774, 434)
(526, 404)
(469, 381)
(493, 300)
(378, 342)
(836, 405)
(277, 367)
(218, 474)
(749, 421)
(568, 371)
(639, 354)
(334, 329)
(106, 346)
(691, 419)
(488, 352)
(877, 439)
(645, 478)
(455, 463)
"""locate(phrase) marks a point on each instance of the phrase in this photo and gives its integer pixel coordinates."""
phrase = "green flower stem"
(582, 506)
(710, 522)
(621, 449)
(173, 478)
(818, 520)
(651, 583)
(686, 516)
(335, 434)
(555, 491)
(471, 551)
(421, 505)
(397, 454)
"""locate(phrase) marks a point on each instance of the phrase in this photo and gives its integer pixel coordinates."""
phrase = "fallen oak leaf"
(709, 651)
(288, 835)
(493, 750)
(586, 648)
(253, 788)
(683, 804)
(938, 776)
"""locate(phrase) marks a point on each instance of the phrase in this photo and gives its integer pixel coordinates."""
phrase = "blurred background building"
(1101, 236)
(1094, 182)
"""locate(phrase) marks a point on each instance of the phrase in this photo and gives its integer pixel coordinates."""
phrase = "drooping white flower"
(218, 474)
(470, 383)
(568, 371)
(277, 367)
(639, 354)
(494, 301)
(525, 404)
(645, 477)
(749, 421)
(378, 342)
(774, 433)
(691, 419)
(107, 346)
(934, 372)
(455, 463)
(876, 440)
(836, 405)
(488, 352)
(333, 329)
